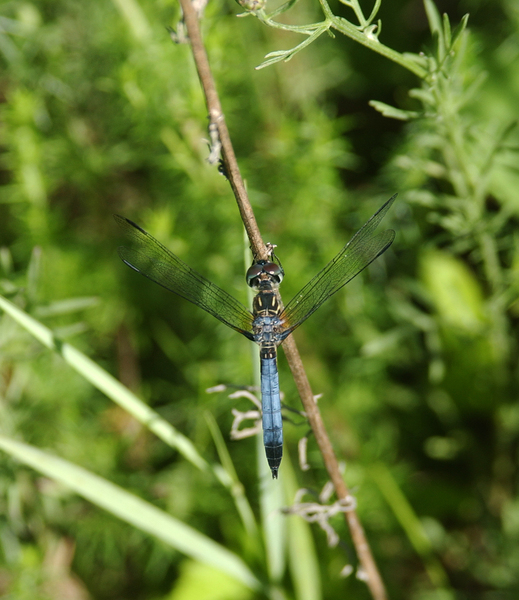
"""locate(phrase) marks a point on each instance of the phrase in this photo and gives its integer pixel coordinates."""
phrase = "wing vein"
(153, 260)
(356, 255)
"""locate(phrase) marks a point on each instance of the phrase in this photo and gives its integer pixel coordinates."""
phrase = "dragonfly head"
(264, 274)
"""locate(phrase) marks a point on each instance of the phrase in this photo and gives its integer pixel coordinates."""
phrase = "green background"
(416, 359)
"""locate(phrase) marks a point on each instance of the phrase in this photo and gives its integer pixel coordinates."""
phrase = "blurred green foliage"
(417, 360)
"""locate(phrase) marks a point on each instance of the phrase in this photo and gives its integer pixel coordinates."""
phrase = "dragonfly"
(268, 324)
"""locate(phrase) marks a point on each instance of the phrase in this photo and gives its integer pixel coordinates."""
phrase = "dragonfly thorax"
(267, 331)
(267, 327)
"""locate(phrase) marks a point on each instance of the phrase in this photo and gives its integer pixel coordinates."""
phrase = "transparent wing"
(156, 262)
(358, 253)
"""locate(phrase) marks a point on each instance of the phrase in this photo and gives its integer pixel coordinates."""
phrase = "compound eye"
(252, 273)
(274, 270)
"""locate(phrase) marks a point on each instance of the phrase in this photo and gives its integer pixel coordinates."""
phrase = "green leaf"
(107, 384)
(199, 581)
(392, 112)
(454, 290)
(283, 8)
(433, 16)
(460, 28)
(286, 55)
(409, 521)
(435, 25)
(446, 30)
(302, 556)
(133, 510)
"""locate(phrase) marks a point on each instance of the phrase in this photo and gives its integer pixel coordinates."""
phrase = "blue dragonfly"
(269, 323)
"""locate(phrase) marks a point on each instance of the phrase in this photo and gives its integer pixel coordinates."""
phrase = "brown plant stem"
(372, 576)
(216, 117)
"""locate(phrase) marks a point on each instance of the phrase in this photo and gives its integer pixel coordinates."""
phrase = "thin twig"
(216, 116)
(369, 568)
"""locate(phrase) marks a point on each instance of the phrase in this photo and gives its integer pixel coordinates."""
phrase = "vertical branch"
(217, 118)
(369, 567)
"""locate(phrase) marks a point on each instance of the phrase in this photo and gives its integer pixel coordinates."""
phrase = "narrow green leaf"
(392, 112)
(447, 30)
(107, 384)
(374, 12)
(460, 28)
(135, 19)
(302, 553)
(283, 8)
(66, 307)
(286, 55)
(133, 510)
(274, 525)
(233, 483)
(409, 521)
(435, 25)
(433, 16)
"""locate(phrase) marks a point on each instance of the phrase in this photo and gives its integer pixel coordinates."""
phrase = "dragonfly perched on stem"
(269, 323)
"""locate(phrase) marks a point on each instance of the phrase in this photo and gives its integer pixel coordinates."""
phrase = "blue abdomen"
(271, 408)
